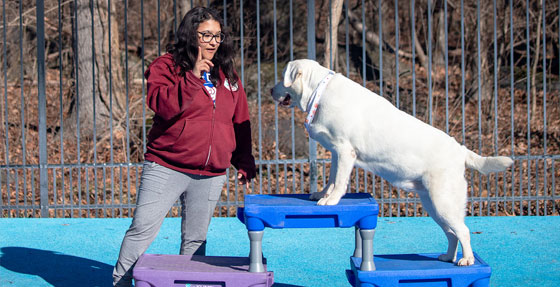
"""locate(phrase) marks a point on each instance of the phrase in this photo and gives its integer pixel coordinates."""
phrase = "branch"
(26, 13)
(373, 38)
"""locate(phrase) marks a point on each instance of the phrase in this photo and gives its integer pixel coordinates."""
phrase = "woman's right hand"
(201, 65)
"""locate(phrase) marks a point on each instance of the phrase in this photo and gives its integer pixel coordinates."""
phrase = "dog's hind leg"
(453, 243)
(345, 157)
(451, 254)
(461, 232)
(446, 202)
(458, 196)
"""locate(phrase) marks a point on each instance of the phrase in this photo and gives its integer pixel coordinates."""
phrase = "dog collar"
(313, 103)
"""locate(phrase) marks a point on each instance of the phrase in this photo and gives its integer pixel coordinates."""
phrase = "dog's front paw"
(466, 261)
(316, 196)
(330, 199)
(322, 201)
(446, 258)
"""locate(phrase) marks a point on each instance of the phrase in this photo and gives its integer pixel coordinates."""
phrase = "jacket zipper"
(211, 137)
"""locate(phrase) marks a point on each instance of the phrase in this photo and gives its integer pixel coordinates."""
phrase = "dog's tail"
(488, 164)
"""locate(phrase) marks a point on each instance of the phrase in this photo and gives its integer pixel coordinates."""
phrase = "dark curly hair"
(185, 47)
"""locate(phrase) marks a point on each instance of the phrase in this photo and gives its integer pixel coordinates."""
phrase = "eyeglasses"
(207, 37)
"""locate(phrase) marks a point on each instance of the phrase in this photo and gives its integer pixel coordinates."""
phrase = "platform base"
(418, 270)
(154, 270)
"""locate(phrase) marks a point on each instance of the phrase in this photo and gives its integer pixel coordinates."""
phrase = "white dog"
(361, 128)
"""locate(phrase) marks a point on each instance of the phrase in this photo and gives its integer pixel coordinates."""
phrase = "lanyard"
(313, 103)
(209, 87)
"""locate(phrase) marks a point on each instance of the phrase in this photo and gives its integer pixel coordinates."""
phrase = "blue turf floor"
(522, 251)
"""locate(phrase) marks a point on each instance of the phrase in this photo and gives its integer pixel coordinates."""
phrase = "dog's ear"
(291, 73)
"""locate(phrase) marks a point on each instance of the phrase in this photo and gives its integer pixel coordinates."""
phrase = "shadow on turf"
(58, 269)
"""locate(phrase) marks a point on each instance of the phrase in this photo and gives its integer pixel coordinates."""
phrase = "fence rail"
(74, 118)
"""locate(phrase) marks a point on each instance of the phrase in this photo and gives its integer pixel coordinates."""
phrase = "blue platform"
(419, 270)
(298, 211)
(66, 252)
(361, 210)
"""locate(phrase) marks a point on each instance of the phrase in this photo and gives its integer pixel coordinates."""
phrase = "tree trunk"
(419, 22)
(99, 77)
(331, 35)
(439, 55)
(534, 69)
(486, 40)
(184, 7)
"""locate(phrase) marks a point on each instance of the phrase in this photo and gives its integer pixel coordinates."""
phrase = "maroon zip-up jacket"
(189, 133)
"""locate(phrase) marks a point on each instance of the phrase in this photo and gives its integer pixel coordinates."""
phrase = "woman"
(200, 127)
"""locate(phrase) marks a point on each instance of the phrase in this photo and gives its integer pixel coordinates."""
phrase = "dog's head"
(294, 89)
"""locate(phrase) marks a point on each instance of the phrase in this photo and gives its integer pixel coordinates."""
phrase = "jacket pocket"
(223, 145)
(192, 144)
(165, 139)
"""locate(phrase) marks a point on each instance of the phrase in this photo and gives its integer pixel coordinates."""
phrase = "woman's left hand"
(243, 180)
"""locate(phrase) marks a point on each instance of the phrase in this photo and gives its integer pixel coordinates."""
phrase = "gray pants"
(159, 190)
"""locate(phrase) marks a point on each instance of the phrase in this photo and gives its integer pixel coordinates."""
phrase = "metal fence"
(74, 118)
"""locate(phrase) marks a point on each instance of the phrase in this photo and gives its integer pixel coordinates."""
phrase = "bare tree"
(439, 17)
(417, 44)
(184, 7)
(99, 72)
(486, 28)
(331, 34)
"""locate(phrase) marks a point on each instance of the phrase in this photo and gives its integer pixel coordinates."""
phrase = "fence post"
(311, 54)
(43, 174)
(6, 138)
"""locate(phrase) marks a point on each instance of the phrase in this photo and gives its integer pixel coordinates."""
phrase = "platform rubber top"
(298, 211)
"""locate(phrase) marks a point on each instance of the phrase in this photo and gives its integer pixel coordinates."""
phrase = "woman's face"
(205, 31)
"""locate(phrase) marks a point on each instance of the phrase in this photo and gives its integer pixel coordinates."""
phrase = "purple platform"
(155, 270)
